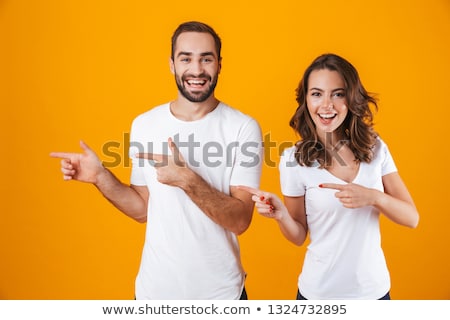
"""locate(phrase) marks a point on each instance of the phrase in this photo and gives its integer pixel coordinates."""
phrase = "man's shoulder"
(234, 114)
(152, 113)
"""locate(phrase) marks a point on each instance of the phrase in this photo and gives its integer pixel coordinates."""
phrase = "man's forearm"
(122, 196)
(231, 213)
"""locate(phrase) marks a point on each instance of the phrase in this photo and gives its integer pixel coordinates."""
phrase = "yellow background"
(83, 69)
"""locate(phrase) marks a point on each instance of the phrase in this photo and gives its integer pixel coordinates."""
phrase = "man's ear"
(172, 65)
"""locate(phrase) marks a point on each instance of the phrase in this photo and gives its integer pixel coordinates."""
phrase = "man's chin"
(196, 97)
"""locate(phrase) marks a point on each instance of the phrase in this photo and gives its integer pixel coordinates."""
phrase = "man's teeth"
(196, 82)
(327, 116)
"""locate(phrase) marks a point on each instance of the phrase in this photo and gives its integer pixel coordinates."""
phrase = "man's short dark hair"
(195, 26)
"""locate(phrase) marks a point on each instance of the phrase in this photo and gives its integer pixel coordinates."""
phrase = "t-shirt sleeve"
(249, 156)
(290, 176)
(137, 174)
(388, 164)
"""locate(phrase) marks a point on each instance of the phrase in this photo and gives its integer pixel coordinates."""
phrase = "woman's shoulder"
(289, 153)
(380, 151)
(379, 145)
(288, 159)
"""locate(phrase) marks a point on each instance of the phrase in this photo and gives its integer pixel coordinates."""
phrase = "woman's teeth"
(327, 116)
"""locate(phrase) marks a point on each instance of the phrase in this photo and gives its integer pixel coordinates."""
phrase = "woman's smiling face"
(326, 100)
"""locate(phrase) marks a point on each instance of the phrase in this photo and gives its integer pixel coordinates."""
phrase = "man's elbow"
(139, 216)
(242, 226)
(141, 219)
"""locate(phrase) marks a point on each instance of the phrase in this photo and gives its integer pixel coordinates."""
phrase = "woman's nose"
(328, 104)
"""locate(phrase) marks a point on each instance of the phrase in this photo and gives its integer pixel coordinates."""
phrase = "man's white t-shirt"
(344, 259)
(186, 255)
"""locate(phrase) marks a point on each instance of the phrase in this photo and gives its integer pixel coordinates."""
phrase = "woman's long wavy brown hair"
(357, 127)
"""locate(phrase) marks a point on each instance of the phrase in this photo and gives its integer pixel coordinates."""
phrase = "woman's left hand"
(352, 195)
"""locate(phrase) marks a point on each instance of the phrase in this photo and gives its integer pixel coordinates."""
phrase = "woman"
(336, 182)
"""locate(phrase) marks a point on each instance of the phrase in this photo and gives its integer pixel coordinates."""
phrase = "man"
(189, 156)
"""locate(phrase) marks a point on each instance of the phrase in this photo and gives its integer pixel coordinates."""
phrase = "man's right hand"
(84, 167)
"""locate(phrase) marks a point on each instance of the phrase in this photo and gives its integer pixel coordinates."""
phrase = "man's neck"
(186, 110)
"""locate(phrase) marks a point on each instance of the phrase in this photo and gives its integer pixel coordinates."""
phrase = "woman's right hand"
(268, 204)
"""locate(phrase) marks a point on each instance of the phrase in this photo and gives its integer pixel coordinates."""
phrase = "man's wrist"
(101, 176)
(188, 179)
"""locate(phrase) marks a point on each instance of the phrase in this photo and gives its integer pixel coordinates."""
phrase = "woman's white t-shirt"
(344, 258)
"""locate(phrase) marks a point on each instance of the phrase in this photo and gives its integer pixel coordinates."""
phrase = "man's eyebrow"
(184, 53)
(203, 54)
(209, 53)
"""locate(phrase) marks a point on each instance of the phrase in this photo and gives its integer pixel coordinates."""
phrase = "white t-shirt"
(186, 255)
(344, 259)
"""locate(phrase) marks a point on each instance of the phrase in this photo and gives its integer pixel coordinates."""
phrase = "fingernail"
(267, 202)
(320, 185)
(261, 198)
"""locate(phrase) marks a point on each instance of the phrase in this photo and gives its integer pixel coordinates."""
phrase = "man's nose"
(196, 68)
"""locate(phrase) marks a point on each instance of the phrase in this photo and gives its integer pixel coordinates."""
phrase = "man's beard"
(200, 97)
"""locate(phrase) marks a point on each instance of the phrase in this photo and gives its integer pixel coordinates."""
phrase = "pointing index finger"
(151, 156)
(250, 190)
(336, 186)
(61, 155)
(260, 195)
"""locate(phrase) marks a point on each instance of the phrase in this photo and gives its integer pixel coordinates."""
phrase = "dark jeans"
(243, 295)
(387, 296)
